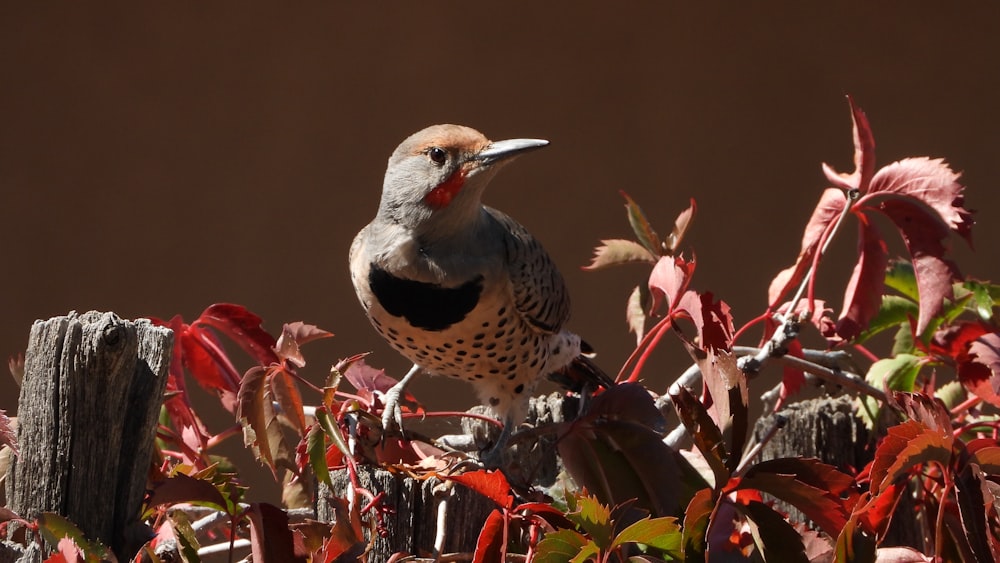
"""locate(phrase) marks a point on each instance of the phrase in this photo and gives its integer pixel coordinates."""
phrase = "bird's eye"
(437, 155)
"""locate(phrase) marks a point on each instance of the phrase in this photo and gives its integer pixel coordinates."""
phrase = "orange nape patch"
(441, 196)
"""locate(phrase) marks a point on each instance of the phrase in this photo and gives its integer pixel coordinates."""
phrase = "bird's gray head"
(435, 178)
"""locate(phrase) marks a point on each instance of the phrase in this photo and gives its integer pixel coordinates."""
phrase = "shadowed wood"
(91, 395)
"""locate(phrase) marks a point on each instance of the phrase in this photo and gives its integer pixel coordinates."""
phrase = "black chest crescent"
(425, 305)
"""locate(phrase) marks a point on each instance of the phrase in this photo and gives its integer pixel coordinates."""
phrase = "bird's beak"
(504, 150)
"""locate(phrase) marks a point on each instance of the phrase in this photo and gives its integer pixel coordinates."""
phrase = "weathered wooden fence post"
(830, 430)
(91, 395)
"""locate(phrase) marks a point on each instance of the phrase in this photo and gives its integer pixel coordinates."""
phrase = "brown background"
(157, 159)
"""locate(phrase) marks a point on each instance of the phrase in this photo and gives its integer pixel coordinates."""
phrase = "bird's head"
(436, 177)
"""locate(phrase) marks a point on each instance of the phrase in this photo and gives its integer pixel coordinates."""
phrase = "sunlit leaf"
(896, 374)
(707, 436)
(561, 546)
(182, 488)
(316, 448)
(488, 483)
(270, 538)
(662, 533)
(864, 154)
(979, 371)
(243, 328)
(900, 277)
(490, 546)
(669, 280)
(865, 288)
(54, 528)
(894, 311)
(595, 520)
(641, 227)
(819, 490)
(908, 445)
(681, 225)
(293, 336)
(614, 252)
(696, 521)
(635, 312)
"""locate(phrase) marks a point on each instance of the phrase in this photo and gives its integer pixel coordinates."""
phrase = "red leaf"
(363, 376)
(681, 225)
(270, 539)
(490, 546)
(819, 490)
(979, 371)
(924, 233)
(727, 386)
(712, 319)
(491, 484)
(863, 296)
(206, 362)
(907, 445)
(925, 409)
(293, 336)
(932, 182)
(697, 517)
(864, 155)
(243, 328)
(286, 392)
(669, 279)
(831, 205)
(256, 413)
(182, 488)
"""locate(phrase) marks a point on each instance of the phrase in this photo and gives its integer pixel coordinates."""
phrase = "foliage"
(635, 492)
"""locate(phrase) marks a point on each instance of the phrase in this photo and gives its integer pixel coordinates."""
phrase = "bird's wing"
(540, 294)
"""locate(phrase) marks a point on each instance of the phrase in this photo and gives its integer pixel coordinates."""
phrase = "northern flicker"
(458, 288)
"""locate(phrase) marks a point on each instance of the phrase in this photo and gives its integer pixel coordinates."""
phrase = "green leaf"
(562, 546)
(640, 225)
(896, 374)
(985, 297)
(900, 276)
(316, 448)
(595, 519)
(331, 429)
(894, 311)
(951, 394)
(54, 527)
(902, 341)
(661, 533)
(697, 518)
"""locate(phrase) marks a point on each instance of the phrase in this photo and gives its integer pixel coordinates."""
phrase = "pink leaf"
(864, 291)
(363, 376)
(831, 205)
(669, 279)
(294, 335)
(932, 182)
(864, 155)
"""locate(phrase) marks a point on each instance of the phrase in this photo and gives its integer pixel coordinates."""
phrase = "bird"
(459, 288)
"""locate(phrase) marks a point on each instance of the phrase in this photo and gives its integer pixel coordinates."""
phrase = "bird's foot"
(392, 414)
(493, 457)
